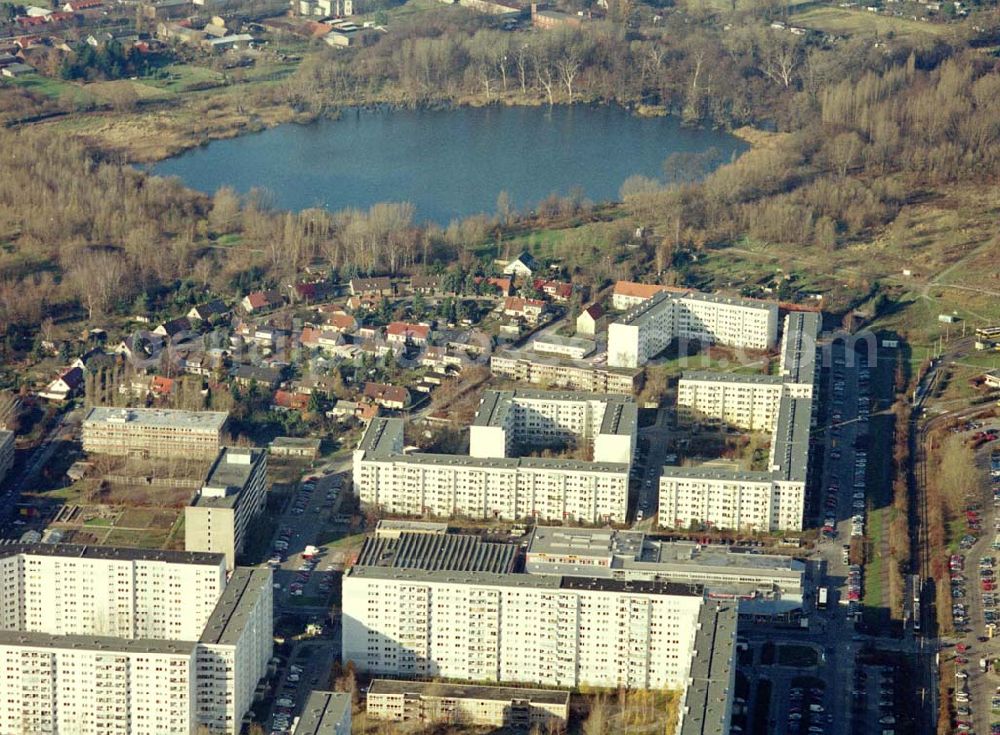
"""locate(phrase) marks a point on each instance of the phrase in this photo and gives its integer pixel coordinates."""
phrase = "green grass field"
(55, 88)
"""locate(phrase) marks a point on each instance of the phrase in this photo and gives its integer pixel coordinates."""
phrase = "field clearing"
(55, 88)
(852, 22)
(110, 91)
(179, 78)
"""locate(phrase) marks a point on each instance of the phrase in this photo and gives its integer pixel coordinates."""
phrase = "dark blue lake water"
(448, 163)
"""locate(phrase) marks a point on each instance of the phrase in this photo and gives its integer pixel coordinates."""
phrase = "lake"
(448, 163)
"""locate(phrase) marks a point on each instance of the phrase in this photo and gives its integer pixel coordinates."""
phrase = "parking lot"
(306, 578)
(973, 571)
(842, 507)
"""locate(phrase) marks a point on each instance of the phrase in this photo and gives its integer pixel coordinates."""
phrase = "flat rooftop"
(707, 701)
(228, 619)
(206, 421)
(560, 341)
(563, 362)
(322, 713)
(798, 347)
(790, 441)
(228, 476)
(710, 376)
(495, 402)
(433, 552)
(526, 581)
(633, 550)
(116, 553)
(468, 691)
(95, 643)
(291, 442)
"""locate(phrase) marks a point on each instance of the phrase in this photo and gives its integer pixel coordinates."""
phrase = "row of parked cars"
(885, 681)
(283, 713)
(805, 711)
(855, 580)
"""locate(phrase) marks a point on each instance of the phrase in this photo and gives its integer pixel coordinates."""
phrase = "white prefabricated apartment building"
(97, 640)
(452, 606)
(493, 482)
(769, 500)
(647, 328)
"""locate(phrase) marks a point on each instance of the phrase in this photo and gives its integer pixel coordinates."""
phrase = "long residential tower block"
(767, 500)
(653, 323)
(493, 482)
(99, 640)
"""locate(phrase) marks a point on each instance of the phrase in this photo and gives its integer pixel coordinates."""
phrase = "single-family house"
(68, 384)
(586, 323)
(555, 290)
(405, 333)
(341, 321)
(521, 267)
(503, 285)
(363, 303)
(310, 292)
(425, 284)
(388, 396)
(259, 301)
(173, 328)
(530, 310)
(284, 400)
(246, 375)
(161, 386)
(344, 409)
(209, 311)
(380, 286)
(320, 339)
(440, 358)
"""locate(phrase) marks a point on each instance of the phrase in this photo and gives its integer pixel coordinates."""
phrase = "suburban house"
(387, 396)
(503, 285)
(555, 290)
(214, 309)
(311, 292)
(345, 409)
(440, 358)
(204, 363)
(173, 328)
(68, 384)
(288, 401)
(161, 386)
(404, 333)
(358, 303)
(320, 339)
(380, 286)
(522, 266)
(247, 375)
(341, 321)
(586, 323)
(425, 284)
(530, 310)
(261, 301)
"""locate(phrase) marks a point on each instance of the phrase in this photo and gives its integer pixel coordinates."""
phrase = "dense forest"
(864, 128)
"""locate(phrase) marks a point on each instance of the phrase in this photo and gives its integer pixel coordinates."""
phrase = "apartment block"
(325, 713)
(97, 640)
(745, 401)
(451, 607)
(6, 453)
(460, 704)
(234, 493)
(769, 500)
(650, 326)
(491, 483)
(148, 432)
(507, 421)
(566, 374)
